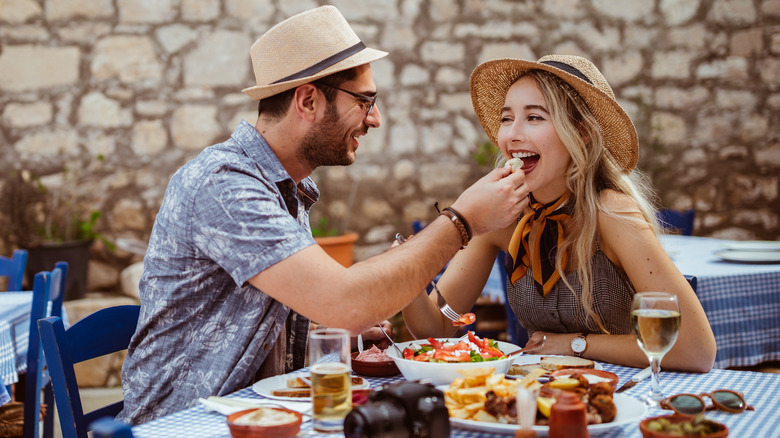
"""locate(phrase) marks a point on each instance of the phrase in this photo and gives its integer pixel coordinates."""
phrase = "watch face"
(578, 345)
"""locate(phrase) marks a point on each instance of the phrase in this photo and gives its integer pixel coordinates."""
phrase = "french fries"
(465, 397)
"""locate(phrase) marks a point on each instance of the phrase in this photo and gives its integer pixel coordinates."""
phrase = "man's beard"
(327, 143)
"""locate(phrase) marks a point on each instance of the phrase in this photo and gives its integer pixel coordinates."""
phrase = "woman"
(587, 242)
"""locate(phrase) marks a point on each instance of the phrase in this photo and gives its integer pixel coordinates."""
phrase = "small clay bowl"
(721, 430)
(360, 396)
(257, 431)
(613, 378)
(374, 369)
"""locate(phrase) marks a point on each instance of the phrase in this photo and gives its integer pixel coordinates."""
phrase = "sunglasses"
(692, 404)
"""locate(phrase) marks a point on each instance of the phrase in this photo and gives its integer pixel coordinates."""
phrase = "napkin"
(230, 405)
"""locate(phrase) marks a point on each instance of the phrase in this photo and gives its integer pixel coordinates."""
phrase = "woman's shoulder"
(614, 201)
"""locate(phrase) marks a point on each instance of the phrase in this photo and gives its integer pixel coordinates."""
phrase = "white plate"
(535, 358)
(265, 386)
(753, 245)
(629, 410)
(749, 256)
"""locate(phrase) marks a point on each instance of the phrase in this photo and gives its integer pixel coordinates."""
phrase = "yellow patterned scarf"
(550, 218)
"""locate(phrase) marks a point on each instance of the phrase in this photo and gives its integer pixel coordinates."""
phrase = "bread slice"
(297, 382)
(555, 363)
(295, 393)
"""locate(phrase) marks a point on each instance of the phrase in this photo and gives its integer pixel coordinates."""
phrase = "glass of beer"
(656, 320)
(331, 388)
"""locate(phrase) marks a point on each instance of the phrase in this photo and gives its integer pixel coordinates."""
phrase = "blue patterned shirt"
(227, 215)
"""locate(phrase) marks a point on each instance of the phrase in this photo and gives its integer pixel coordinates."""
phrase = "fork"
(392, 342)
(445, 308)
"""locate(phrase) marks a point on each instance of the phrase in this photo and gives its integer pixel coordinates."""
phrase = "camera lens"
(382, 419)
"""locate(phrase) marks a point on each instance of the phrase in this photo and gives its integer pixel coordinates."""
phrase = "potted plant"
(336, 240)
(339, 245)
(50, 217)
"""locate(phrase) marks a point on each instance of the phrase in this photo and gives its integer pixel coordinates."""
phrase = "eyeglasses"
(369, 101)
(692, 404)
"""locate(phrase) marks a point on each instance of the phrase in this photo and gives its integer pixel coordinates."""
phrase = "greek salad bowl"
(443, 373)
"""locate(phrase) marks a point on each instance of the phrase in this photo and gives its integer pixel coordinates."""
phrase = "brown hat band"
(325, 63)
(568, 69)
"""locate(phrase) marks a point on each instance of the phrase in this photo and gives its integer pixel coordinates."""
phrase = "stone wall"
(123, 92)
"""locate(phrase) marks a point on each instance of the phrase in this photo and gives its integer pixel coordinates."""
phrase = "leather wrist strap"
(460, 224)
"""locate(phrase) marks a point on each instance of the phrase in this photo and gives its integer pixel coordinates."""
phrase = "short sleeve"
(240, 223)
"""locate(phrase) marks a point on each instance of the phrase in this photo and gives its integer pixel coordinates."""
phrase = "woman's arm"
(636, 249)
(460, 285)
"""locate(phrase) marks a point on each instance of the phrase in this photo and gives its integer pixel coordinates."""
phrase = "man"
(232, 275)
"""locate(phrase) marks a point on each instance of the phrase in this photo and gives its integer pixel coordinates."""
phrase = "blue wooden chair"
(677, 220)
(47, 288)
(106, 331)
(13, 268)
(107, 427)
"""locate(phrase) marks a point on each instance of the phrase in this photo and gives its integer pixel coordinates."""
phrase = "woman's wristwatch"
(579, 344)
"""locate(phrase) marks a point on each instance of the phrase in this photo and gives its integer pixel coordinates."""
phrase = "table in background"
(741, 300)
(759, 389)
(14, 336)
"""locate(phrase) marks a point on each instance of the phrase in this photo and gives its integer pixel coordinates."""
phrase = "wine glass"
(656, 320)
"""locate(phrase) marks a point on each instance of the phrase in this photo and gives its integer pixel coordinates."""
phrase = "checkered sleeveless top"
(560, 311)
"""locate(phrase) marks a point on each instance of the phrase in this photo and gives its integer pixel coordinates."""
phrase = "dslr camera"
(400, 410)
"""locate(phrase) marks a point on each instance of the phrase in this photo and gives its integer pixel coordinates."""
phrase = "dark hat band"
(325, 63)
(568, 69)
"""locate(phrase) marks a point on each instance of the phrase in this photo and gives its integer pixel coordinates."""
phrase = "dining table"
(759, 389)
(739, 291)
(15, 310)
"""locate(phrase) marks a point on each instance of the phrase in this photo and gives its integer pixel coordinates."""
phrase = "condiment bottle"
(567, 417)
(525, 404)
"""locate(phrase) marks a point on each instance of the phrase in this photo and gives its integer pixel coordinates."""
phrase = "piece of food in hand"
(514, 164)
(373, 354)
(465, 319)
(555, 363)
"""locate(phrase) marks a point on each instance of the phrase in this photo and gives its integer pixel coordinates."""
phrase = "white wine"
(656, 330)
(331, 394)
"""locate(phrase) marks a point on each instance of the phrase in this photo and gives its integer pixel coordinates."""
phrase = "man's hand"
(374, 336)
(494, 202)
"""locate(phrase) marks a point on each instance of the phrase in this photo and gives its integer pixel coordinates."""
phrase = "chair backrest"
(13, 268)
(106, 331)
(677, 220)
(107, 427)
(692, 281)
(46, 285)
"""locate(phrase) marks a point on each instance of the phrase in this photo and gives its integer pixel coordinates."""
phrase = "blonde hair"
(590, 172)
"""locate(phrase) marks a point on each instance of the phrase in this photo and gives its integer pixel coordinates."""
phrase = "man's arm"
(313, 284)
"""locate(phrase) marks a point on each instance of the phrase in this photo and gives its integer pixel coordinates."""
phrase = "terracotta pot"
(339, 247)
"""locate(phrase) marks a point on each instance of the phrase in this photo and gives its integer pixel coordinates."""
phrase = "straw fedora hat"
(491, 80)
(304, 48)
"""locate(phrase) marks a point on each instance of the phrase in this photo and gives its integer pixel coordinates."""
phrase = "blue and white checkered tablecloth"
(741, 300)
(760, 390)
(14, 335)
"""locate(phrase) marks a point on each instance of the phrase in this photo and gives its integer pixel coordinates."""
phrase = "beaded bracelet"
(460, 223)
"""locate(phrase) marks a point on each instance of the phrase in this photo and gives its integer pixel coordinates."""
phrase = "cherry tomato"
(465, 319)
(451, 356)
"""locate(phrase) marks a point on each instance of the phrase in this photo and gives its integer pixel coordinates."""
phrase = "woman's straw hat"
(491, 80)
(304, 48)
